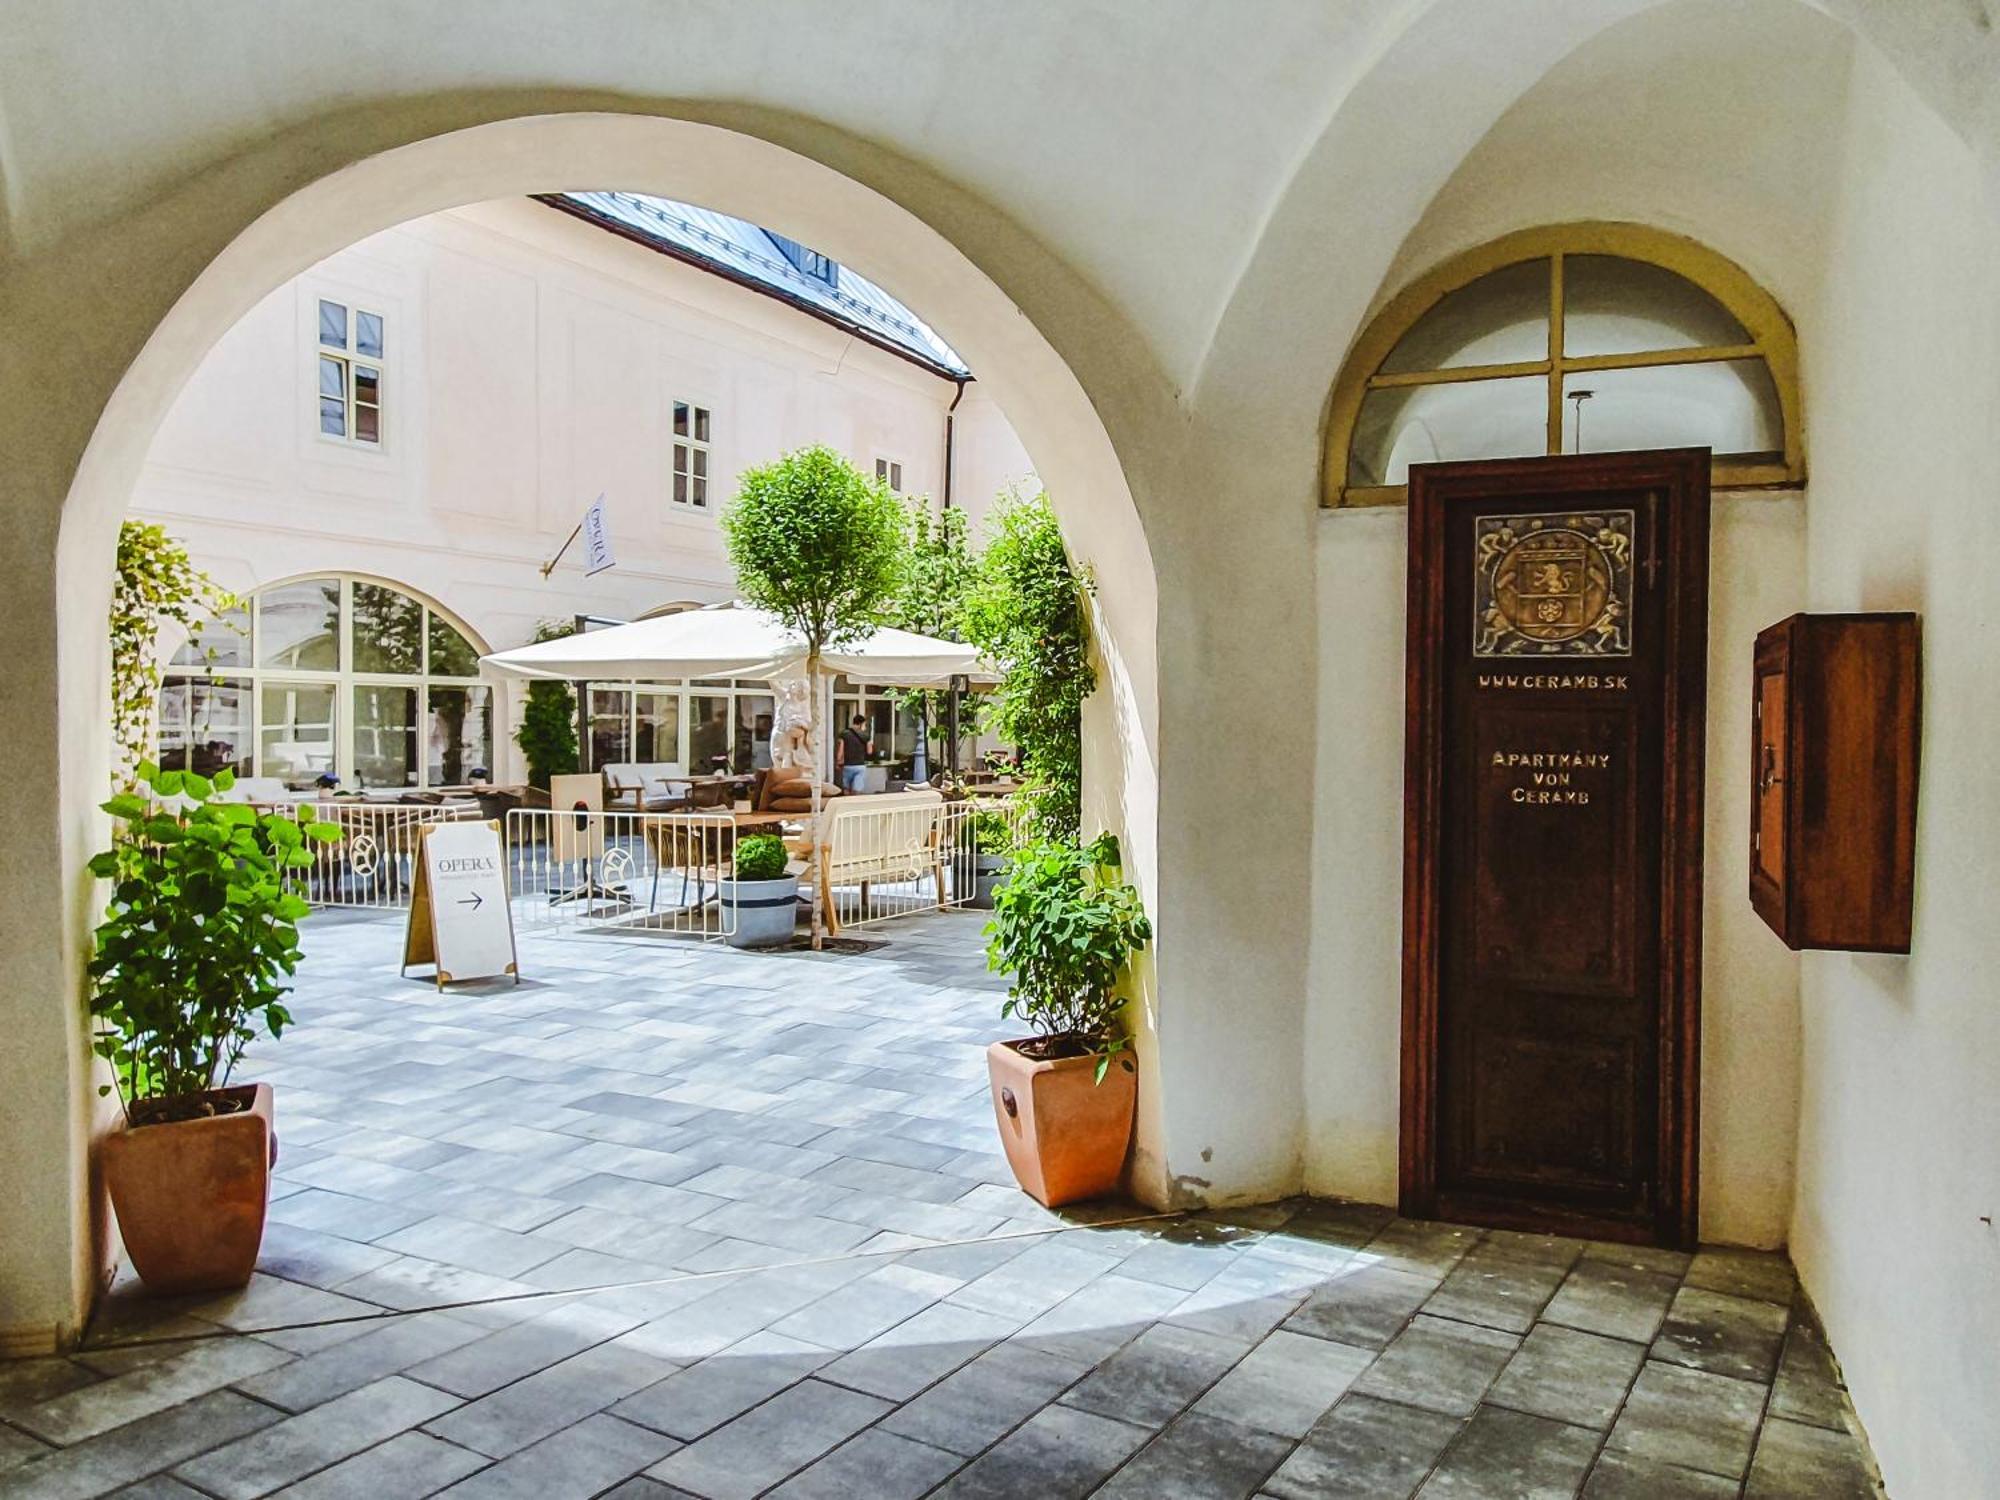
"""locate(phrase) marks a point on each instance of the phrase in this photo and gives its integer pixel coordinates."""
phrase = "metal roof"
(758, 257)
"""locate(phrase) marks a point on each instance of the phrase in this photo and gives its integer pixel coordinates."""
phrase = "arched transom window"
(330, 675)
(1582, 338)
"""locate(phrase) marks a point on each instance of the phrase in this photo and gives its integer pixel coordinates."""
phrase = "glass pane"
(698, 492)
(333, 324)
(896, 478)
(368, 334)
(752, 751)
(680, 489)
(658, 726)
(1729, 406)
(680, 419)
(295, 725)
(388, 631)
(1500, 318)
(709, 734)
(204, 725)
(460, 736)
(385, 735)
(298, 625)
(367, 424)
(701, 424)
(701, 461)
(332, 376)
(680, 458)
(610, 727)
(368, 385)
(1466, 419)
(332, 416)
(1617, 306)
(452, 655)
(222, 641)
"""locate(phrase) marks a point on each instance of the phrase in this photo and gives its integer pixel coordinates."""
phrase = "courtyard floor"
(670, 1220)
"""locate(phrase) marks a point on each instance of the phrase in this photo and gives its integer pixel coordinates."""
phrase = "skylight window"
(807, 261)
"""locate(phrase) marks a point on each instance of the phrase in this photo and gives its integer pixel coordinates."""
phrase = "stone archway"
(52, 1256)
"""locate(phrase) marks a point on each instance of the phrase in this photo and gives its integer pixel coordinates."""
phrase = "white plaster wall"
(532, 363)
(1899, 1140)
(987, 458)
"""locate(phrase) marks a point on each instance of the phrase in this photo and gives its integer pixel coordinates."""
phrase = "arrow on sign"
(475, 901)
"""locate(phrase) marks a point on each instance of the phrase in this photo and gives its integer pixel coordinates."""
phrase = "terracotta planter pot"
(190, 1194)
(1064, 1134)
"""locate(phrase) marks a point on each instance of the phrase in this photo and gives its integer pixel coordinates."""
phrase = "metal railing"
(657, 872)
(372, 863)
(649, 872)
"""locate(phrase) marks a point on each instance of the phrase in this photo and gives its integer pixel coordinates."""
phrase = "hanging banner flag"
(596, 539)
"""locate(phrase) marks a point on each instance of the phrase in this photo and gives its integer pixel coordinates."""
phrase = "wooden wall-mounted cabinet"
(1833, 810)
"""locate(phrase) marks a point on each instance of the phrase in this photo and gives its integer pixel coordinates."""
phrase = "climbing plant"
(156, 584)
(1028, 611)
(547, 735)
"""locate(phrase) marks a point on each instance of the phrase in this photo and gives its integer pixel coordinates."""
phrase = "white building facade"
(384, 454)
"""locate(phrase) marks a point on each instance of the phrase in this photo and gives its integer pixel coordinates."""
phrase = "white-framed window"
(890, 472)
(691, 436)
(350, 356)
(333, 675)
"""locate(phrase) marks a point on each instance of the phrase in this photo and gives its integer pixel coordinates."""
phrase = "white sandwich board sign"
(460, 917)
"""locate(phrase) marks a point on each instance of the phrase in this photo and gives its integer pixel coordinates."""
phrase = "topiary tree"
(1028, 613)
(821, 546)
(547, 735)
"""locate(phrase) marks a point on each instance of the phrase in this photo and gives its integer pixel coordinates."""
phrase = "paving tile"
(1761, 1274)
(1724, 1335)
(26, 1382)
(1058, 1453)
(1497, 1290)
(760, 1448)
(1199, 1457)
(850, 1316)
(722, 1387)
(466, 1242)
(573, 1464)
(1285, 1384)
(103, 1463)
(17, 1448)
(200, 1367)
(1364, 1450)
(1568, 1376)
(1691, 1418)
(546, 1402)
(1513, 1454)
(1152, 1378)
(901, 1361)
(1613, 1297)
(390, 1349)
(1103, 1318)
(969, 1410)
(1439, 1366)
(1809, 1388)
(158, 1487)
(300, 1445)
(877, 1464)
(484, 1364)
(1420, 1246)
(1794, 1459)
(1366, 1307)
(1624, 1476)
(411, 1463)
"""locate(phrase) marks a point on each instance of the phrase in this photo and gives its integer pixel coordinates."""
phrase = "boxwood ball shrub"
(761, 856)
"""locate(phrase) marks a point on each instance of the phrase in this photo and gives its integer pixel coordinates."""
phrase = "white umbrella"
(734, 640)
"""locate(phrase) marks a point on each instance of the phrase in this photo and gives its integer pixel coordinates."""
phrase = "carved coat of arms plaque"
(1553, 585)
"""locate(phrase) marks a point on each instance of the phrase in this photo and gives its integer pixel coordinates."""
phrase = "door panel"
(1552, 835)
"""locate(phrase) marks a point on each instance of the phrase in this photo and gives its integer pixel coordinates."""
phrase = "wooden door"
(1552, 870)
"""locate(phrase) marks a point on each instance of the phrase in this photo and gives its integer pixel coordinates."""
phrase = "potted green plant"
(763, 899)
(1065, 926)
(990, 838)
(190, 962)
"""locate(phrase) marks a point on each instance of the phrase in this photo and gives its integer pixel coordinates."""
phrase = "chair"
(643, 786)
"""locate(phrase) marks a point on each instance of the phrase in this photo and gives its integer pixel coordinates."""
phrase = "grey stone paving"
(670, 1220)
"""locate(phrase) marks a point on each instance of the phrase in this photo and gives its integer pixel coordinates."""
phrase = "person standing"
(851, 758)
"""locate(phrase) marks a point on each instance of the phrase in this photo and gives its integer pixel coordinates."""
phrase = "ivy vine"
(156, 584)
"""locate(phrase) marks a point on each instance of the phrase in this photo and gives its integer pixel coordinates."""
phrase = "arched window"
(330, 675)
(1580, 338)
